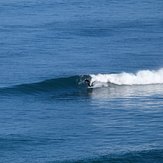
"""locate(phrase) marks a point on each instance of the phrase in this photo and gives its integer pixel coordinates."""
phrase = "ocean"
(48, 114)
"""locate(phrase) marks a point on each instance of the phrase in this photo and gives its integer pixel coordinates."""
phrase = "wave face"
(46, 86)
(143, 77)
(77, 82)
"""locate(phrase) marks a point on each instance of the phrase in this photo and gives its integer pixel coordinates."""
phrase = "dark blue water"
(47, 112)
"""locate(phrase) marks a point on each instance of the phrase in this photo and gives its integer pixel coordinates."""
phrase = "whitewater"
(142, 77)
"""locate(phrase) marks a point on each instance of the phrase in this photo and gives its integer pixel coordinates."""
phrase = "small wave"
(143, 77)
(133, 156)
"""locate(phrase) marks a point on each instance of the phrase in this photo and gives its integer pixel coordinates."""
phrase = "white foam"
(140, 78)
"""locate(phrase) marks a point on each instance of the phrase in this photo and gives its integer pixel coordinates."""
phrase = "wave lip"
(142, 77)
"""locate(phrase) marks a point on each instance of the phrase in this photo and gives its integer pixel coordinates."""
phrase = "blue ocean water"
(47, 112)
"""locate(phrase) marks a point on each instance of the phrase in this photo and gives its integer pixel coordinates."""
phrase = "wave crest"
(143, 77)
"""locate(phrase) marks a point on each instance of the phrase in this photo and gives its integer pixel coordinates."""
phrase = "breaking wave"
(73, 83)
(143, 77)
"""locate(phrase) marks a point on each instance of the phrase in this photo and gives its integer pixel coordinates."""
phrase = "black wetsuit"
(88, 82)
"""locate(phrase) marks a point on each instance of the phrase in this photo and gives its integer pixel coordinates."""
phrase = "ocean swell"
(46, 86)
(143, 77)
(134, 157)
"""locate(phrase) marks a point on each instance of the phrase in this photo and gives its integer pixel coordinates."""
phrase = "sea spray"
(140, 78)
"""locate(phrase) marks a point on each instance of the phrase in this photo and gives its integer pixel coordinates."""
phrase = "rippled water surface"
(48, 113)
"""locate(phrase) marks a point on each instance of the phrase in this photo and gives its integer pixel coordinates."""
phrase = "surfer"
(88, 82)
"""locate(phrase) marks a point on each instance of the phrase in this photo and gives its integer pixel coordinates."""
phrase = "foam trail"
(140, 78)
